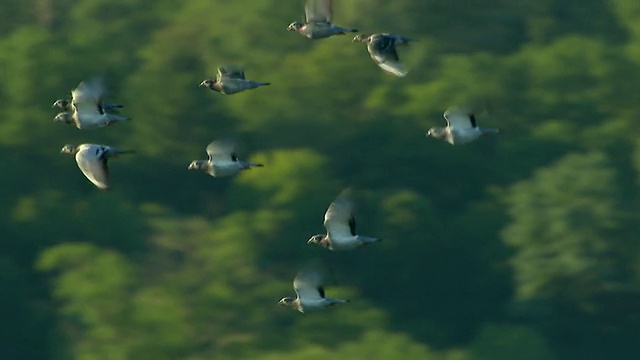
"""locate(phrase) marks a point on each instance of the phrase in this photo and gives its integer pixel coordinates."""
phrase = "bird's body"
(87, 121)
(317, 25)
(341, 227)
(319, 30)
(223, 160)
(461, 127)
(87, 111)
(230, 81)
(309, 293)
(92, 160)
(66, 105)
(382, 49)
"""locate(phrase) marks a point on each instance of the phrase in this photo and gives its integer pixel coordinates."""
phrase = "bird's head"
(436, 132)
(64, 117)
(288, 301)
(197, 165)
(294, 26)
(317, 239)
(60, 103)
(361, 38)
(208, 83)
(69, 149)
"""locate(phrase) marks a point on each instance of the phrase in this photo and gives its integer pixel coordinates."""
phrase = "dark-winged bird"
(382, 49)
(65, 104)
(230, 81)
(341, 226)
(461, 127)
(309, 293)
(92, 160)
(317, 25)
(223, 160)
(87, 111)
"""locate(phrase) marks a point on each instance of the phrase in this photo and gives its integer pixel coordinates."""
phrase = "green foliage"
(94, 286)
(374, 344)
(506, 342)
(561, 229)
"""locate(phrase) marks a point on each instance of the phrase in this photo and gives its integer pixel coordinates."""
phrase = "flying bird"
(65, 104)
(382, 49)
(461, 127)
(341, 226)
(309, 293)
(87, 110)
(230, 81)
(317, 25)
(92, 160)
(223, 160)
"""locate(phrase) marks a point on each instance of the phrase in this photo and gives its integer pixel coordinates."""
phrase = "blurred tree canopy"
(519, 246)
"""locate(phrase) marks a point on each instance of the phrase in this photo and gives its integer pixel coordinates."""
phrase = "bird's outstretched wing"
(87, 97)
(318, 11)
(92, 161)
(222, 151)
(339, 220)
(228, 72)
(383, 52)
(308, 285)
(460, 118)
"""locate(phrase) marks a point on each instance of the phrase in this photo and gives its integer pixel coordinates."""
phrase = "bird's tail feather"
(489, 131)
(248, 165)
(336, 301)
(113, 117)
(344, 31)
(367, 239)
(116, 152)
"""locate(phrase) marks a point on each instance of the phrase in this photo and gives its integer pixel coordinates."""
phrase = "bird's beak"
(204, 83)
